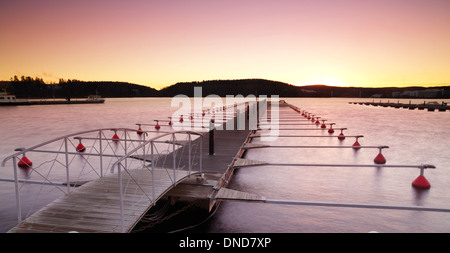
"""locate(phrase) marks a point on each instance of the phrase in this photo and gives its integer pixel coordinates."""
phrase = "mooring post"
(211, 137)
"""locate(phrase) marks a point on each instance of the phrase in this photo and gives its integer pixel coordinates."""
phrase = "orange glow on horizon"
(159, 43)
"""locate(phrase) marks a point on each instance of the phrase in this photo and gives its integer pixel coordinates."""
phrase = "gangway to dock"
(106, 180)
(107, 185)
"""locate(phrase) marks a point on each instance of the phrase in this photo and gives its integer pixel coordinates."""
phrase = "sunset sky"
(160, 42)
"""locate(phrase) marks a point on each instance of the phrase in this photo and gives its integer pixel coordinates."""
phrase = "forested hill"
(243, 87)
(258, 87)
(27, 87)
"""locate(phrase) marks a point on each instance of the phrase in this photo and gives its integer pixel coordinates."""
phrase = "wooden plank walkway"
(430, 107)
(95, 206)
(217, 169)
(229, 194)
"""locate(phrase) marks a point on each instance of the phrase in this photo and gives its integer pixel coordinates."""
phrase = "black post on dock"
(211, 137)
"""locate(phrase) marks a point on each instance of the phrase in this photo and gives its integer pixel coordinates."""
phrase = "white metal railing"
(182, 153)
(61, 164)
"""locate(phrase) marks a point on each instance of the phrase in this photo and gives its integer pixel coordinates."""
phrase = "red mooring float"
(356, 145)
(81, 148)
(421, 182)
(24, 162)
(170, 121)
(157, 126)
(379, 159)
(331, 130)
(115, 137)
(139, 131)
(341, 136)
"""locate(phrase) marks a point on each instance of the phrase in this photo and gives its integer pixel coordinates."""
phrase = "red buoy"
(81, 148)
(139, 131)
(356, 145)
(341, 136)
(379, 159)
(115, 138)
(25, 162)
(421, 182)
(181, 118)
(157, 126)
(331, 130)
(323, 124)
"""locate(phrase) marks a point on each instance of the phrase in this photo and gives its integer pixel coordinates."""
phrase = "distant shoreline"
(29, 88)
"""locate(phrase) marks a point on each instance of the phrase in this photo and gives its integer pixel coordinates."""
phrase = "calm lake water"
(414, 137)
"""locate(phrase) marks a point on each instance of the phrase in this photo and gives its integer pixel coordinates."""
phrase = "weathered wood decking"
(95, 206)
(428, 106)
(229, 194)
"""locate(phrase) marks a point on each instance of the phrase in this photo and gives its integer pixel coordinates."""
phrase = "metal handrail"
(118, 164)
(63, 153)
(152, 141)
(25, 150)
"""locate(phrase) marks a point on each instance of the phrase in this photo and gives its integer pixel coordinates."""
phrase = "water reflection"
(413, 137)
(409, 143)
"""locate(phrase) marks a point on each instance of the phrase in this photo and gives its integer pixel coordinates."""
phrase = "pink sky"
(159, 43)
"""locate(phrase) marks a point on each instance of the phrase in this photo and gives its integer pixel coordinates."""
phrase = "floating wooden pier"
(94, 206)
(442, 107)
(117, 202)
(197, 167)
(89, 100)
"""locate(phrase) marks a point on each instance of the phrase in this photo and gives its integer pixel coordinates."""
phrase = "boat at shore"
(8, 99)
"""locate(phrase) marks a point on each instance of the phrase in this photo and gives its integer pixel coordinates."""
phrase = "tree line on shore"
(28, 87)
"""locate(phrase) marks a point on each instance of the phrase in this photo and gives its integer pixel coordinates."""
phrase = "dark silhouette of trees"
(28, 87)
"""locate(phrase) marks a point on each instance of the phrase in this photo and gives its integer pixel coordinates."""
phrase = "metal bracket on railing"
(422, 167)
